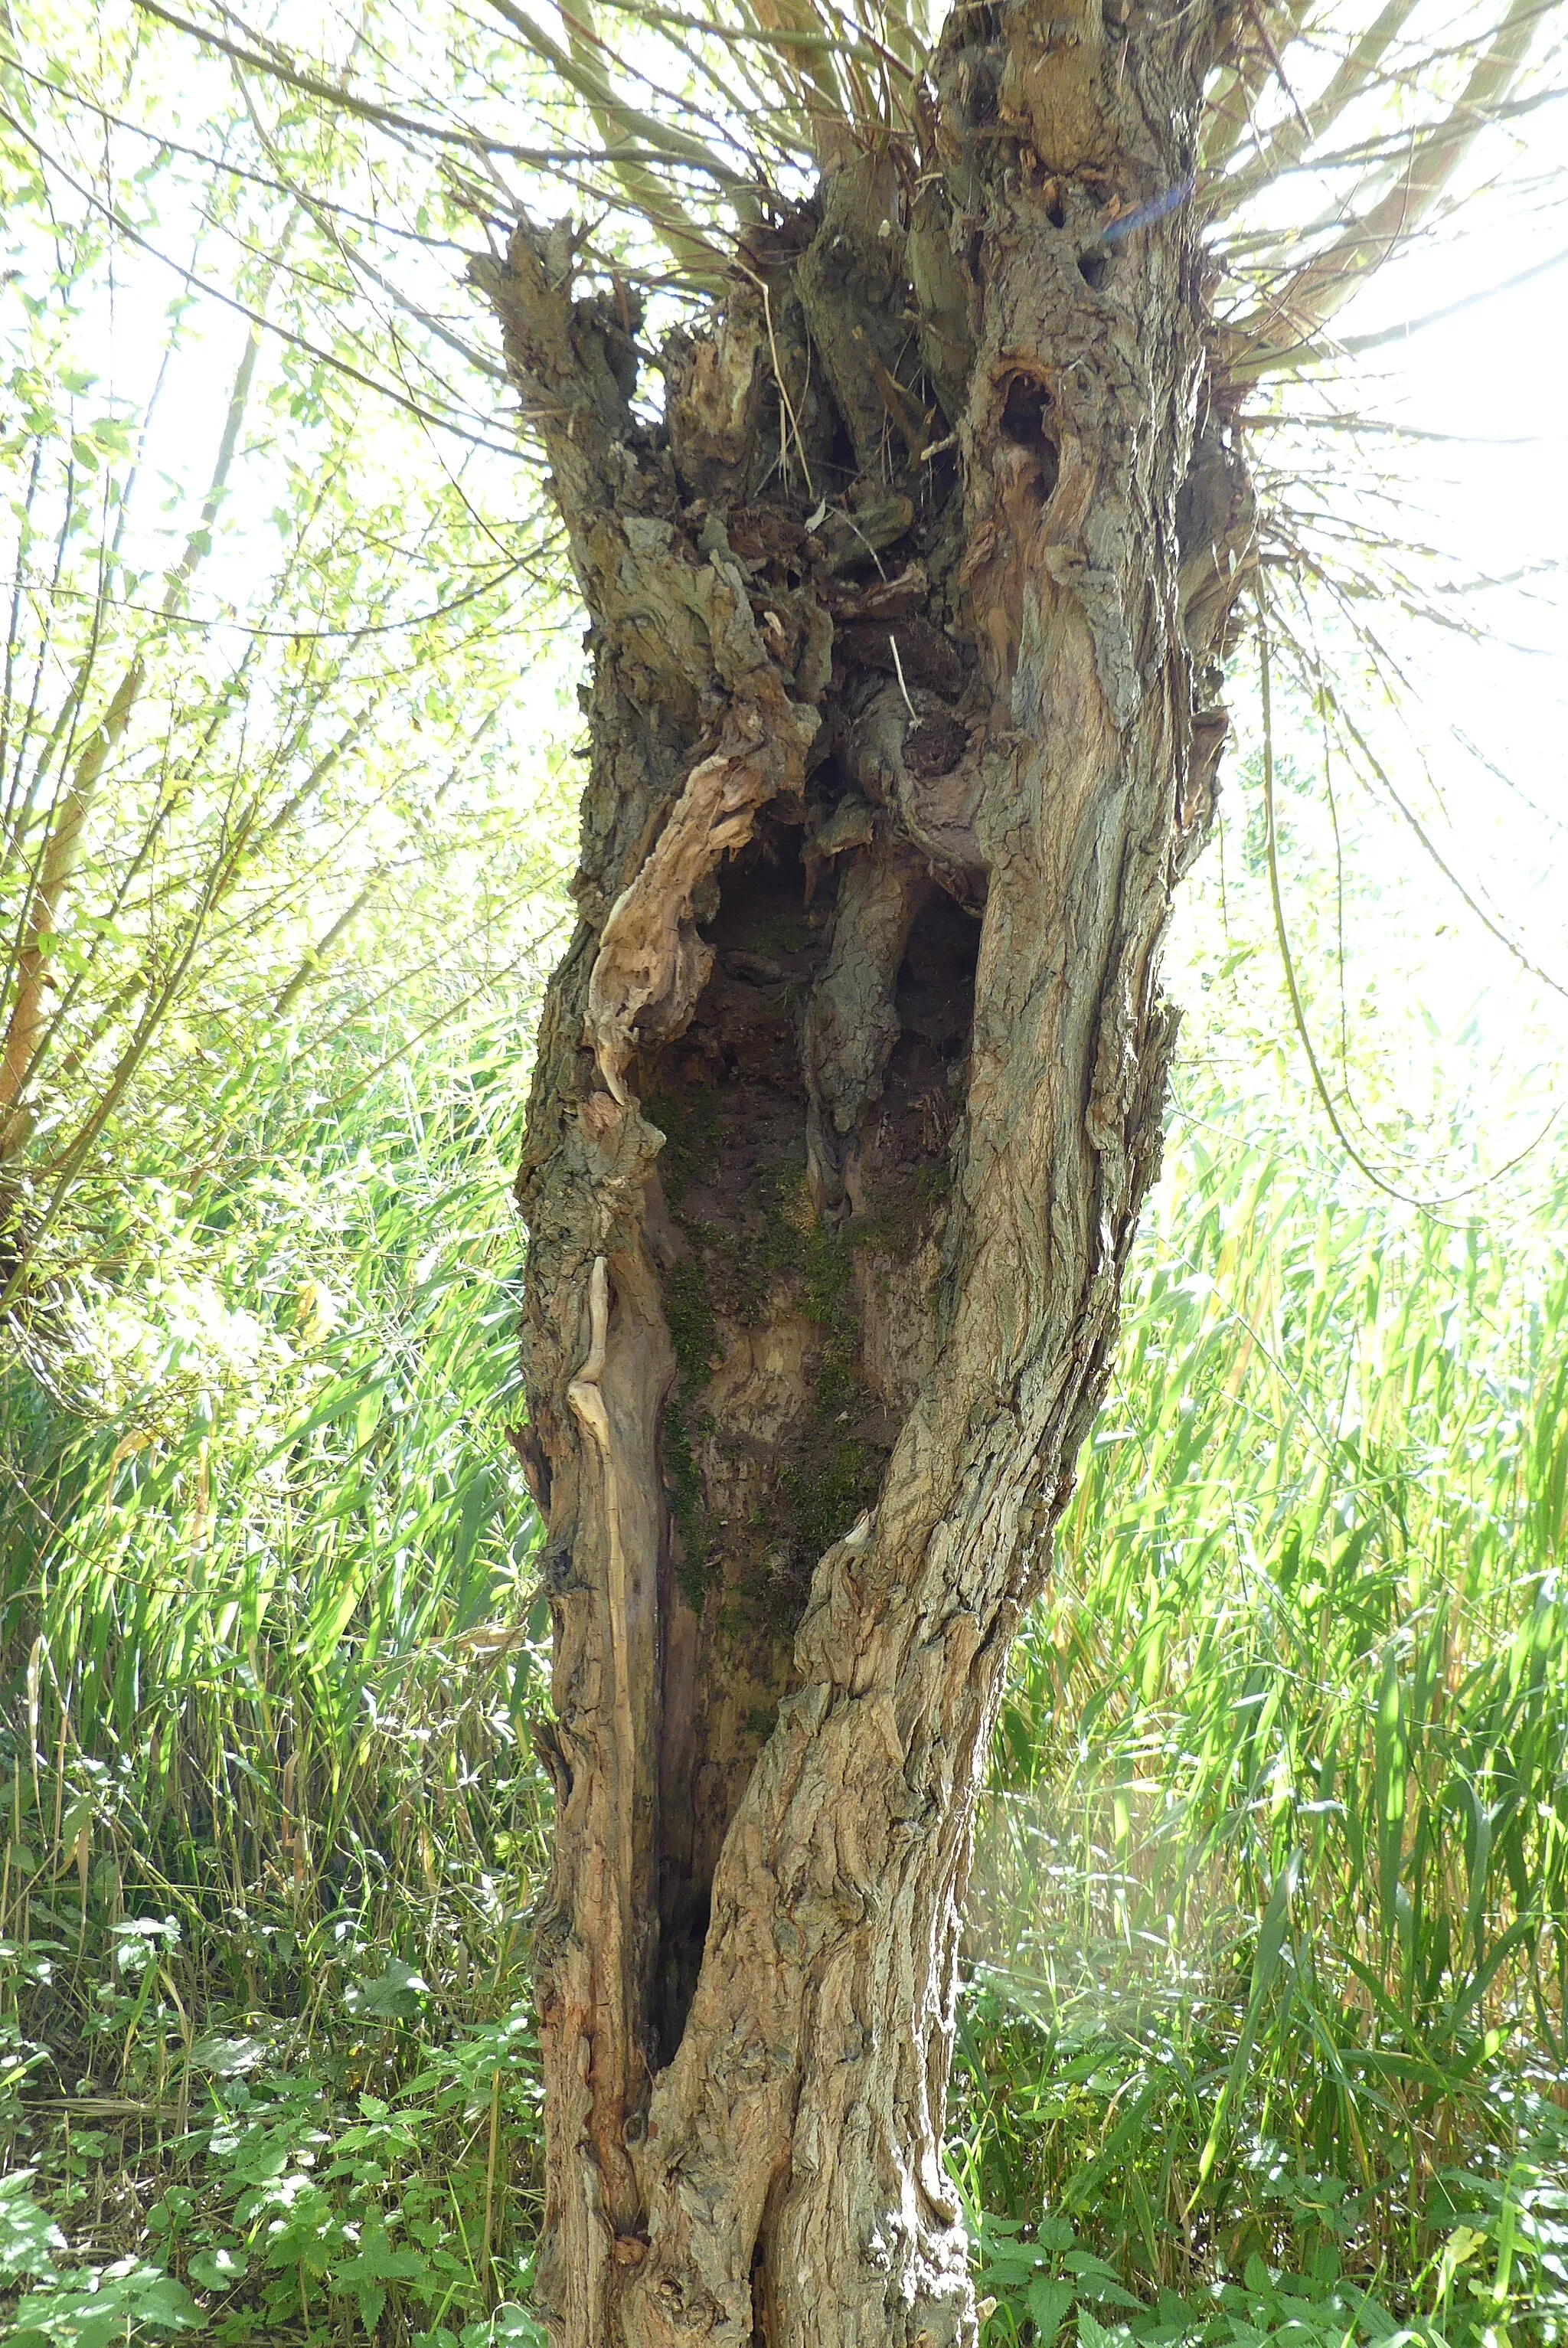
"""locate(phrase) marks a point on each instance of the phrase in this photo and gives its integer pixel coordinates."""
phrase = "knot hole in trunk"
(1026, 411)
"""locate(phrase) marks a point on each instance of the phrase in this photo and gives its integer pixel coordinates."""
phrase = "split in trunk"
(908, 617)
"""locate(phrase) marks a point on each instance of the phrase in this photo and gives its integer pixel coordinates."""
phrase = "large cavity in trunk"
(798, 1335)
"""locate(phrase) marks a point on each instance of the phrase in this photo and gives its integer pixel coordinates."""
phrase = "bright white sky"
(1489, 492)
(1492, 377)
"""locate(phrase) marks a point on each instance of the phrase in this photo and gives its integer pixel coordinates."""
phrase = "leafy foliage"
(271, 1821)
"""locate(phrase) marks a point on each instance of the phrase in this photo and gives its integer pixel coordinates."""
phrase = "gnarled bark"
(907, 629)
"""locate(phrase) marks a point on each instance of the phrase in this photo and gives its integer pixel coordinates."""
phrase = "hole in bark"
(936, 983)
(795, 1338)
(981, 95)
(1023, 424)
(1054, 210)
(840, 458)
(1094, 268)
(765, 2324)
(975, 35)
(934, 745)
(757, 1319)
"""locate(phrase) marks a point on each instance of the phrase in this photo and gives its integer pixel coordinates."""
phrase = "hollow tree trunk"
(906, 617)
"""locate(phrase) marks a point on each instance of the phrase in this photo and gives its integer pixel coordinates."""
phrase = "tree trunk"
(907, 621)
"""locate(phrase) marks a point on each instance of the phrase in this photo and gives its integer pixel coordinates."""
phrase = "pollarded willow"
(913, 549)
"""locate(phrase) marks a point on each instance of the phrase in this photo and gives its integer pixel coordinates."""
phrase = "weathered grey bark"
(907, 622)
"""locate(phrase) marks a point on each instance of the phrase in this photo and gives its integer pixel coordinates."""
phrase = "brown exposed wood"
(906, 626)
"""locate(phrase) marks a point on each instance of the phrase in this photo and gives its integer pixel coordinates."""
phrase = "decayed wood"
(652, 964)
(908, 623)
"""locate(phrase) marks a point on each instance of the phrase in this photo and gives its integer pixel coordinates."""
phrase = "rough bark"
(907, 622)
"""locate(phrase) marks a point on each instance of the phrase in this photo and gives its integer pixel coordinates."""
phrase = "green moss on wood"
(690, 1124)
(683, 1485)
(897, 1221)
(831, 1473)
(825, 1492)
(694, 1331)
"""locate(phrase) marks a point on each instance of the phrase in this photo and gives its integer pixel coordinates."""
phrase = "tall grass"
(1268, 1957)
(280, 1477)
(269, 1650)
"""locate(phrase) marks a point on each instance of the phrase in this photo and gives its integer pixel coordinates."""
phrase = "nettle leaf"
(378, 2263)
(28, 2235)
(369, 2298)
(1005, 2264)
(1048, 2304)
(397, 1997)
(219, 2269)
(261, 2155)
(91, 2310)
(138, 1942)
(1097, 2281)
(380, 2260)
(226, 2058)
(511, 2326)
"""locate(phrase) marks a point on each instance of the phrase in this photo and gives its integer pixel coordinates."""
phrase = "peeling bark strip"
(907, 623)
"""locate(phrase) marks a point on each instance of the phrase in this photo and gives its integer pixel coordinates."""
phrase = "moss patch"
(754, 1241)
(896, 1223)
(832, 1472)
(684, 1487)
(693, 1331)
(825, 1492)
(690, 1124)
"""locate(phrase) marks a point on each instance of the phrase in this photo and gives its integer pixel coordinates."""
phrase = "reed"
(1269, 1944)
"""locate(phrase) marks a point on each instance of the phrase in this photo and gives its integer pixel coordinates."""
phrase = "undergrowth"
(1264, 2028)
(1262, 2032)
(267, 2065)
